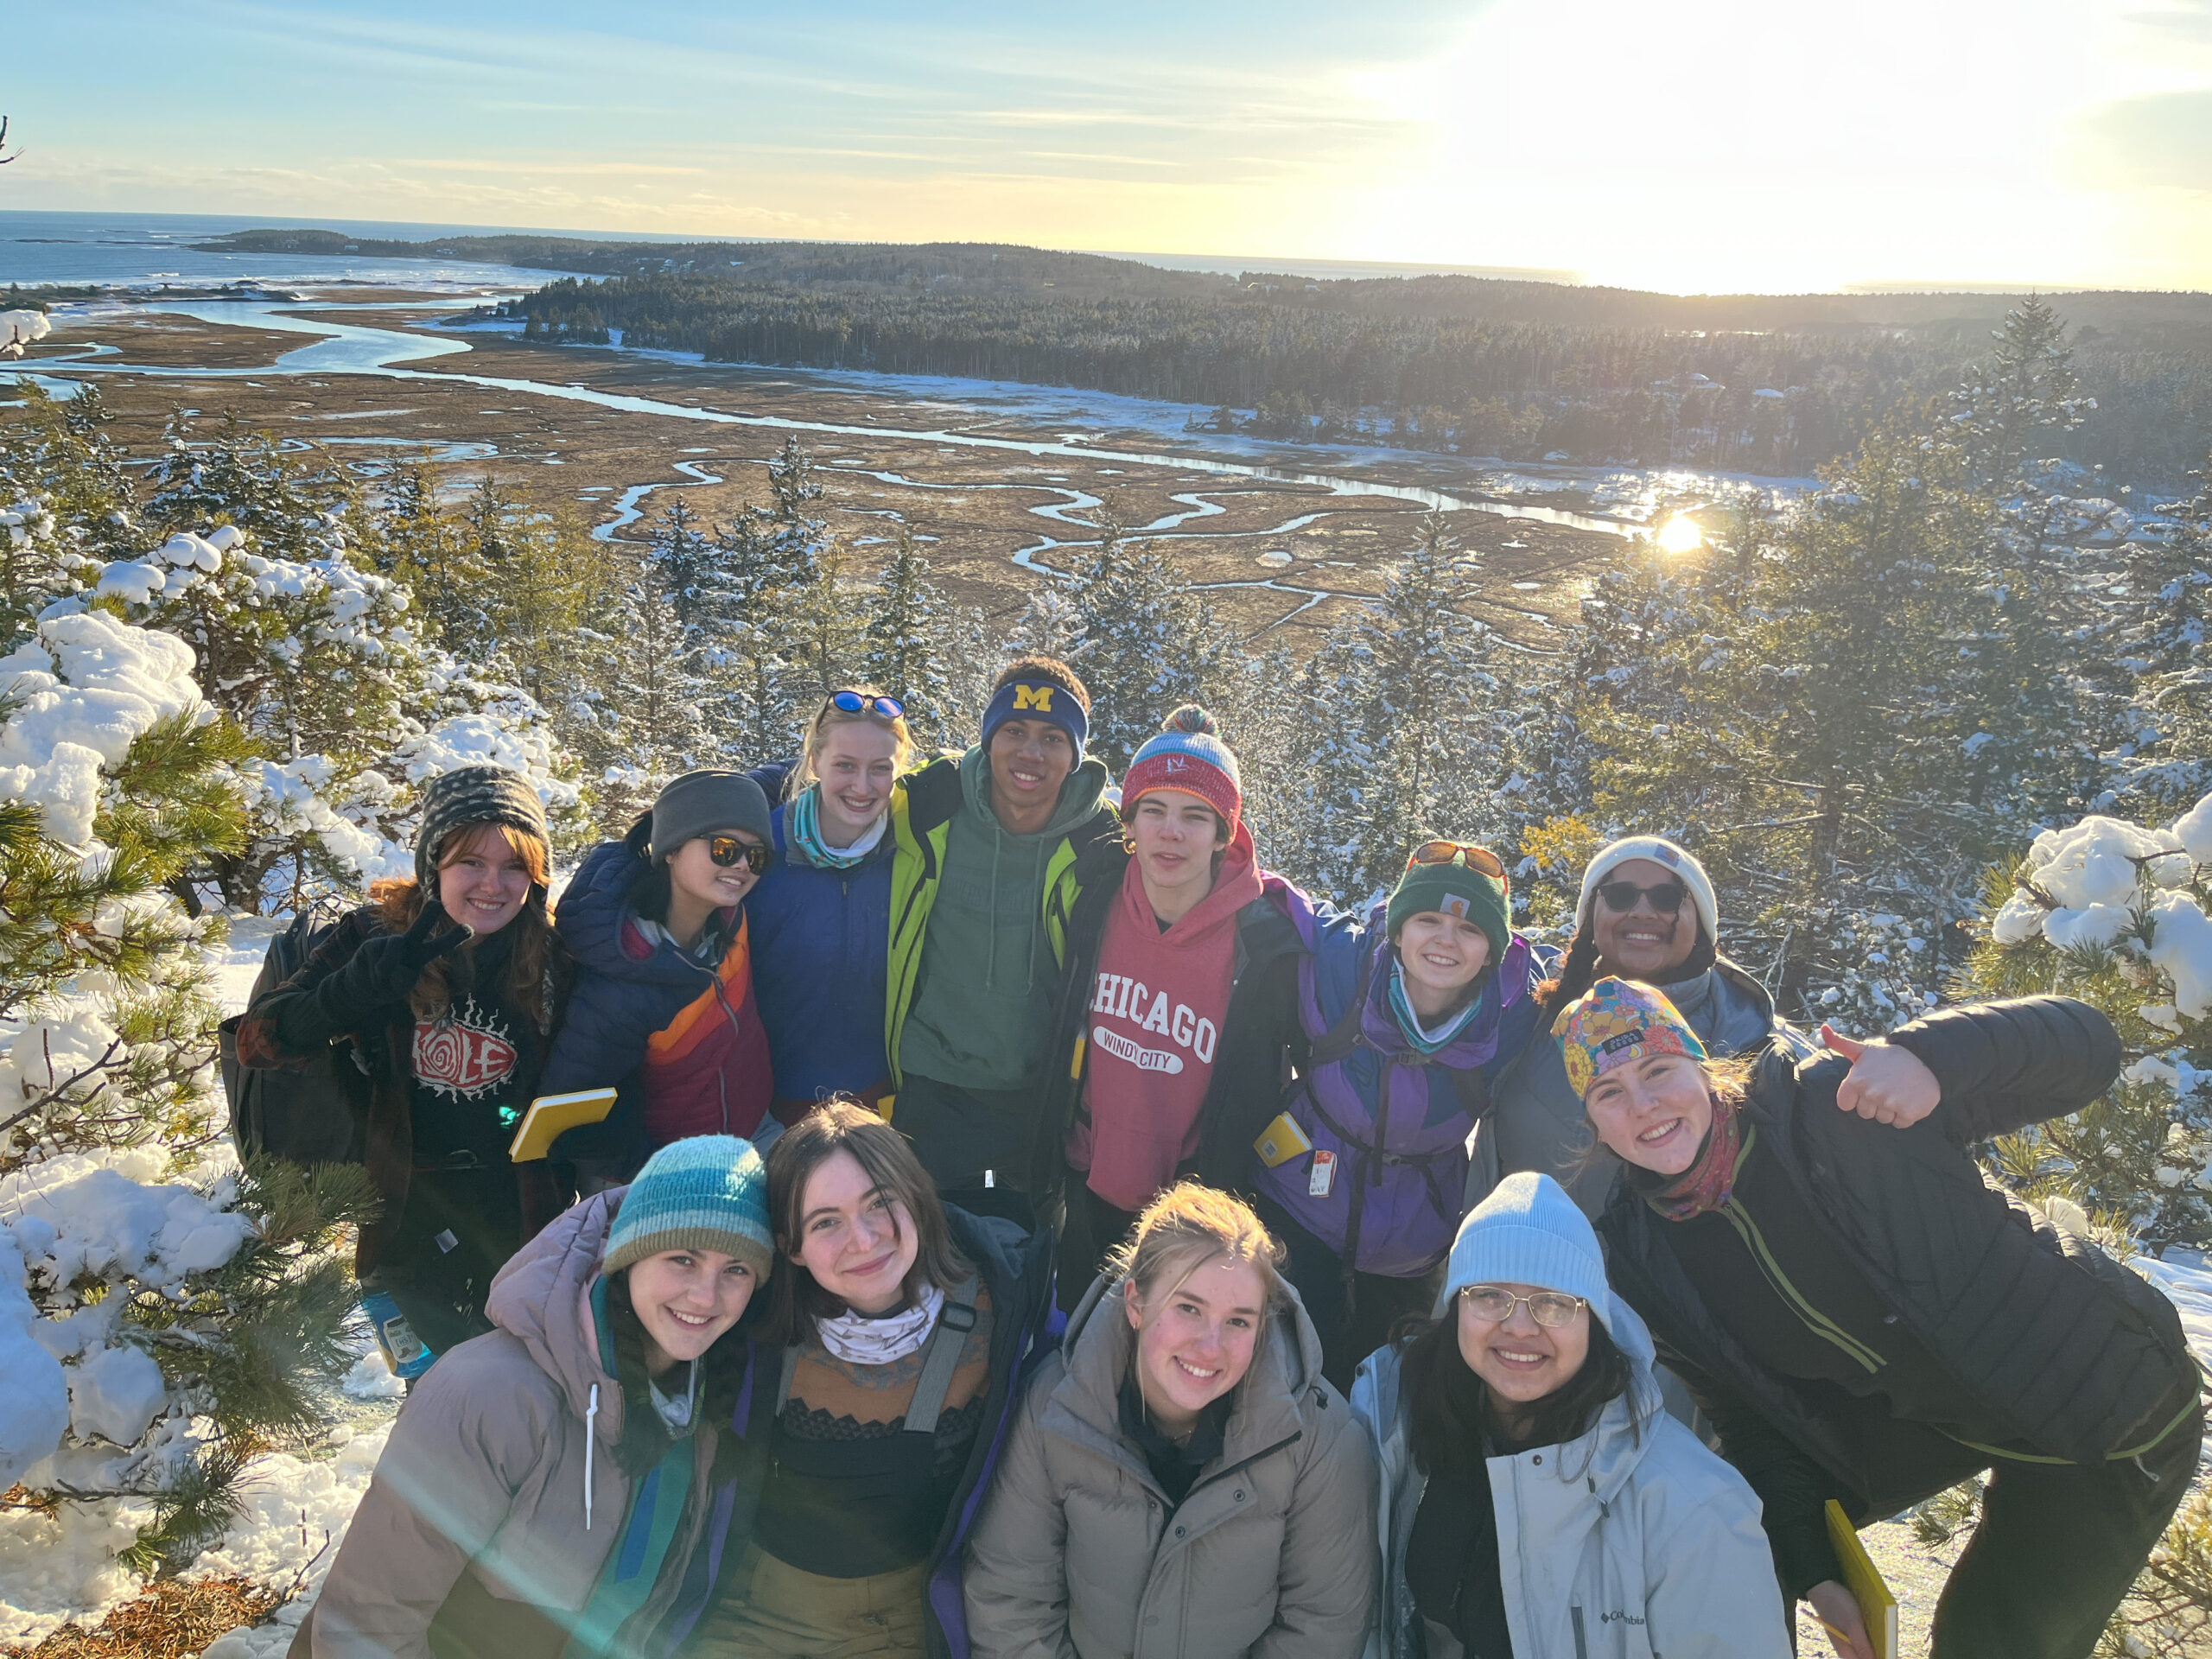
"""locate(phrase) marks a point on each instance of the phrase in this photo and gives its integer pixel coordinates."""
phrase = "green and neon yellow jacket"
(923, 806)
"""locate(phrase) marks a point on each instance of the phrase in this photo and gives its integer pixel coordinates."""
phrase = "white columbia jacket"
(1628, 1543)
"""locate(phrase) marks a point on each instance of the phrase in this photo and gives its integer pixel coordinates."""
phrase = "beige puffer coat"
(1272, 1552)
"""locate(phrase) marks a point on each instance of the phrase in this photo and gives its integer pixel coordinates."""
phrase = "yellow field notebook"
(1864, 1579)
(550, 1116)
(1281, 1140)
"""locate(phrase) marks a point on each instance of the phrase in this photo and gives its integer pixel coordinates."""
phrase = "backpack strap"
(783, 1383)
(954, 1321)
(1343, 1037)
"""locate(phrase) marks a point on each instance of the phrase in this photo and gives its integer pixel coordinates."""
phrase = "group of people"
(1028, 1226)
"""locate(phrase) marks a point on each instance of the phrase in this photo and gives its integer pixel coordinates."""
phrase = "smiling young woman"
(902, 1324)
(1863, 1317)
(446, 989)
(1181, 1480)
(664, 1012)
(1536, 1499)
(1402, 1024)
(552, 1484)
(820, 918)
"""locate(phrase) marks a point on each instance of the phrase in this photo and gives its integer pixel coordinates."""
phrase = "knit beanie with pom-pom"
(1189, 755)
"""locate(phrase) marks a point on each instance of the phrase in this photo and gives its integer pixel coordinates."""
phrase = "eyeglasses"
(726, 850)
(854, 702)
(1459, 852)
(1547, 1308)
(1666, 898)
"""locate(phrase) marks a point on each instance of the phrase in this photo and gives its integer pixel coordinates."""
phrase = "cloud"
(2161, 139)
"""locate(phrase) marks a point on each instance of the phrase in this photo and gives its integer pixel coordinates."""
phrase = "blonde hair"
(1187, 1226)
(803, 776)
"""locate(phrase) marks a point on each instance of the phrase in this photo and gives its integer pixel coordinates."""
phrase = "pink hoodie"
(1158, 1002)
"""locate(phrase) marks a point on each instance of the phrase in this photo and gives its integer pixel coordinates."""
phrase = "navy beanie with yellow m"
(1037, 699)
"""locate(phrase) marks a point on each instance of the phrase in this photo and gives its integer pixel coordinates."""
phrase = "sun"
(1679, 534)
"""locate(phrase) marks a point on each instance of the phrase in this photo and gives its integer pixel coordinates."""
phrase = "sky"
(1688, 145)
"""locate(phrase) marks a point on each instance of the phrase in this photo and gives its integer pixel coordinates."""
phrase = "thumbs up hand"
(1888, 1084)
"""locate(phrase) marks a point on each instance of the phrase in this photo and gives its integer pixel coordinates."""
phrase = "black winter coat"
(1261, 1037)
(2083, 1360)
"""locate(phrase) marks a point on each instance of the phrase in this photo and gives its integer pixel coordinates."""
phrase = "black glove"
(384, 969)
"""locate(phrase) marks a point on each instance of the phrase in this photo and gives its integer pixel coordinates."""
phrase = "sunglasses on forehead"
(726, 850)
(855, 703)
(1464, 853)
(1666, 897)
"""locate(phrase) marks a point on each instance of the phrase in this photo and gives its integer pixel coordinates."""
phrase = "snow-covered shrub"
(2115, 912)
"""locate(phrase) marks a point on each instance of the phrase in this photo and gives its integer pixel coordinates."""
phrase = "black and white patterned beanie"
(473, 795)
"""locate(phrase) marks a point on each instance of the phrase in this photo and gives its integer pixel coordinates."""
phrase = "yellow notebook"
(1281, 1140)
(1864, 1579)
(550, 1116)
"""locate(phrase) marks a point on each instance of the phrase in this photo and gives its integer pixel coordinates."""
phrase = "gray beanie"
(473, 795)
(703, 802)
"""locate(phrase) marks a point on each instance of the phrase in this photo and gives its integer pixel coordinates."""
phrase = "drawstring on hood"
(591, 1436)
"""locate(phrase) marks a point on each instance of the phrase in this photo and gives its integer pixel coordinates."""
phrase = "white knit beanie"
(1659, 850)
(1528, 1231)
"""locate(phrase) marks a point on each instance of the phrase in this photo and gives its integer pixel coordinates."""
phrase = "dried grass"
(171, 1620)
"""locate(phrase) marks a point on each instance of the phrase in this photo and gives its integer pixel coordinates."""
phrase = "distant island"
(1774, 384)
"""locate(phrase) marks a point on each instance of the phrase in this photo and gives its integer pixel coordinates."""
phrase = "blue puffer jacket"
(821, 943)
(621, 1003)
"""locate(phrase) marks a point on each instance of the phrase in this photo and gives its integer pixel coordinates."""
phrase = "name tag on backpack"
(1324, 1175)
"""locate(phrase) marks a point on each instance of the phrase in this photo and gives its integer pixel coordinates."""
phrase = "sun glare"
(1679, 534)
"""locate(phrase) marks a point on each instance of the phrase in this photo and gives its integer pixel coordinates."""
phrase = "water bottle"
(405, 1354)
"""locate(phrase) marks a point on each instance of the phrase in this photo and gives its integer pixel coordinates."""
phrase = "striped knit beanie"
(473, 795)
(709, 1192)
(1189, 755)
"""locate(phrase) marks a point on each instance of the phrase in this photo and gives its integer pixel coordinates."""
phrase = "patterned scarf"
(804, 831)
(859, 1340)
(1711, 1178)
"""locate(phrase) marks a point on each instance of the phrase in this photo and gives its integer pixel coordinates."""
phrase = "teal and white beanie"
(709, 1192)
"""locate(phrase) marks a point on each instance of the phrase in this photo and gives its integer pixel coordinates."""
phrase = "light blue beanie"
(709, 1192)
(1528, 1231)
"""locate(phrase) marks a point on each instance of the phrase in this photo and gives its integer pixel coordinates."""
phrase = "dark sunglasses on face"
(726, 850)
(854, 702)
(1666, 898)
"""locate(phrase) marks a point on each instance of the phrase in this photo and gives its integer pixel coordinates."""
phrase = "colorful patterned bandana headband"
(1617, 1022)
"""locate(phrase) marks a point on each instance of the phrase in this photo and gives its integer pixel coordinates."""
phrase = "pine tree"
(2163, 758)
(1148, 643)
(907, 644)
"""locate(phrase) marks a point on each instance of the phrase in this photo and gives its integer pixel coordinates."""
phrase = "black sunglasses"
(854, 702)
(1666, 898)
(726, 850)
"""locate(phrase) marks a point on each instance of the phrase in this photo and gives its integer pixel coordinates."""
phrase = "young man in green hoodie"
(982, 882)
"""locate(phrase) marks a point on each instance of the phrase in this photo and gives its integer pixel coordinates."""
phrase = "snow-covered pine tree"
(774, 559)
(2164, 759)
(644, 720)
(910, 643)
(415, 541)
(1147, 642)
(162, 1318)
(1402, 708)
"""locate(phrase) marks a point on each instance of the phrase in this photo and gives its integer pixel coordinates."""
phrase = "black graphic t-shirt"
(472, 1064)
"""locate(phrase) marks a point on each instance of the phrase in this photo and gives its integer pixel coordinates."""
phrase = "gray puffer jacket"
(498, 1496)
(1535, 1121)
(1079, 1555)
(1632, 1542)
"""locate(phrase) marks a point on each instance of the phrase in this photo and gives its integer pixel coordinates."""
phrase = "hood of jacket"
(1272, 1404)
(1236, 884)
(543, 1298)
(589, 920)
(1082, 792)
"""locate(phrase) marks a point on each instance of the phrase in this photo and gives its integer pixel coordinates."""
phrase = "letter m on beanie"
(1039, 697)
